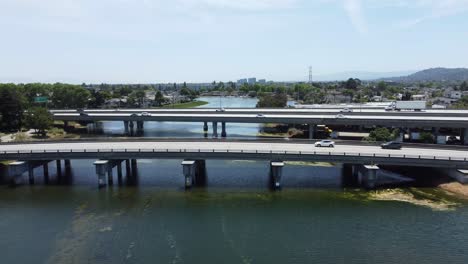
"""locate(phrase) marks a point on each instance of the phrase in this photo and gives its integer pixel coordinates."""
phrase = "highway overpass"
(406, 121)
(365, 159)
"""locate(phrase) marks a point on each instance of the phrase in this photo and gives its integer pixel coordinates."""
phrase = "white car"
(340, 116)
(346, 110)
(325, 143)
(260, 115)
(145, 114)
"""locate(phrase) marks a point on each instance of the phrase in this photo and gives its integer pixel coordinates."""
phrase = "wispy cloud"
(423, 10)
(354, 10)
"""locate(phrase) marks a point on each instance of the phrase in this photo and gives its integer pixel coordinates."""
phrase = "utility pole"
(310, 75)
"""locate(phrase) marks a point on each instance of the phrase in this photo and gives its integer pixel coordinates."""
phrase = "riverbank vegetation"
(185, 105)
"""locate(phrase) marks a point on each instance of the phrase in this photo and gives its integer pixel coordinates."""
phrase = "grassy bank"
(185, 105)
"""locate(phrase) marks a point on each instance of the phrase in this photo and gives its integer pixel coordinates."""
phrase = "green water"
(152, 225)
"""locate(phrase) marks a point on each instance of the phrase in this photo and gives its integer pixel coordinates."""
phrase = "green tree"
(464, 86)
(39, 119)
(12, 105)
(159, 98)
(383, 134)
(426, 137)
(352, 84)
(276, 100)
(69, 96)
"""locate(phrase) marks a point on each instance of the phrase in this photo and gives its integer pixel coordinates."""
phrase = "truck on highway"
(406, 105)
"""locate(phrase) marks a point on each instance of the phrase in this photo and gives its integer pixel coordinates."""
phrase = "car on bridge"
(346, 110)
(391, 145)
(325, 143)
(260, 115)
(145, 114)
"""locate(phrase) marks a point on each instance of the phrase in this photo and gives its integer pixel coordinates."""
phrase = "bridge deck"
(429, 157)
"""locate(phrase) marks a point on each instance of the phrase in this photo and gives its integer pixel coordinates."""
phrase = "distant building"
(419, 97)
(456, 94)
(241, 81)
(262, 81)
(252, 80)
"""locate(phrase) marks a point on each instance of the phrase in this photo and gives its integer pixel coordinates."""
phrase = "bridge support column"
(133, 179)
(127, 169)
(312, 129)
(67, 165)
(464, 136)
(369, 176)
(46, 172)
(350, 177)
(131, 125)
(140, 126)
(16, 170)
(110, 175)
(31, 173)
(59, 168)
(223, 129)
(189, 170)
(215, 129)
(276, 172)
(205, 127)
(126, 128)
(101, 169)
(119, 172)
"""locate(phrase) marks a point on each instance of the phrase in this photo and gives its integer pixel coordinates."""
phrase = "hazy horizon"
(153, 41)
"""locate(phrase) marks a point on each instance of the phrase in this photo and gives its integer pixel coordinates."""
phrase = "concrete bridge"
(365, 159)
(407, 120)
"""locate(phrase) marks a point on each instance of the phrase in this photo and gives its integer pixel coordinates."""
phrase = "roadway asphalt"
(156, 116)
(263, 110)
(233, 146)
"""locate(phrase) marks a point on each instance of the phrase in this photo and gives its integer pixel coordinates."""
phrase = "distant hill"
(363, 75)
(435, 74)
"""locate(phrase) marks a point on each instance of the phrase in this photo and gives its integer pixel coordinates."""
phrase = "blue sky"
(147, 41)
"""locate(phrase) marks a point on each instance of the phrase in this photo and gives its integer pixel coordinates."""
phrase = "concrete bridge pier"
(369, 176)
(101, 169)
(349, 175)
(59, 168)
(131, 126)
(31, 173)
(110, 174)
(67, 165)
(215, 129)
(46, 172)
(276, 172)
(312, 129)
(119, 173)
(15, 170)
(140, 126)
(126, 127)
(189, 170)
(464, 136)
(205, 127)
(223, 129)
(134, 167)
(128, 170)
(194, 173)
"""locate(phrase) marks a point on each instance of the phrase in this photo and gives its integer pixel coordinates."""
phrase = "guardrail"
(20, 153)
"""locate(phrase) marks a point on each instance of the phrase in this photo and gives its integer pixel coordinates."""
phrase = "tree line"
(26, 104)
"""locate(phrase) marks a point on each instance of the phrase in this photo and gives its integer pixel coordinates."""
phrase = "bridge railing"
(238, 151)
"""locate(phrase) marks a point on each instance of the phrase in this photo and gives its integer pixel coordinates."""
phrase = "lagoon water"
(234, 219)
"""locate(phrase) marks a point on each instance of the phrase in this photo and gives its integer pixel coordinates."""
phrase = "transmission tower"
(310, 75)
